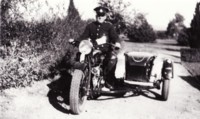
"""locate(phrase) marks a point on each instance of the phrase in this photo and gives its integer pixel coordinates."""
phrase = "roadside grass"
(194, 69)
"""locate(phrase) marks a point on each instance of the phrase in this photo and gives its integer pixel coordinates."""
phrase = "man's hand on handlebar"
(118, 45)
(73, 42)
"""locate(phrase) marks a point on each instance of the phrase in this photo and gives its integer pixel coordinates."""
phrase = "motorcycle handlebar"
(75, 43)
(109, 44)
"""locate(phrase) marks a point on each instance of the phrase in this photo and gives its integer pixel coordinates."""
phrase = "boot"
(119, 83)
(107, 87)
(110, 86)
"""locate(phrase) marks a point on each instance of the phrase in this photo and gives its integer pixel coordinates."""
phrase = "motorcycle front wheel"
(78, 92)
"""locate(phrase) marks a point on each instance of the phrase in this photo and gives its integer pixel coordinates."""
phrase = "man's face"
(101, 19)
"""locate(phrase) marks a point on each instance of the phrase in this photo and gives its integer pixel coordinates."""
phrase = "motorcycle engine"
(97, 59)
(97, 71)
(97, 77)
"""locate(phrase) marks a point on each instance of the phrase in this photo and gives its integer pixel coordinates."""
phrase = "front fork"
(83, 63)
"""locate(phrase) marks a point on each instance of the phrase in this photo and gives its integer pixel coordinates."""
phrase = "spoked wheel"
(78, 92)
(94, 93)
(165, 89)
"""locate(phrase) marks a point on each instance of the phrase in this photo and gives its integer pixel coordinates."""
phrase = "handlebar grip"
(74, 43)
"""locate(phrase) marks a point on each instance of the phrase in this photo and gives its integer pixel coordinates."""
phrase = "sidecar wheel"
(165, 89)
(78, 95)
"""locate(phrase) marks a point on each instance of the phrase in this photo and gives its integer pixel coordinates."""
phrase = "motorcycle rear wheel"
(78, 95)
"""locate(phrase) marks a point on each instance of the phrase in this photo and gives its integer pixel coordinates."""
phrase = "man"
(97, 30)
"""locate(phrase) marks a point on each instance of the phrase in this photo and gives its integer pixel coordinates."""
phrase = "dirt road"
(183, 103)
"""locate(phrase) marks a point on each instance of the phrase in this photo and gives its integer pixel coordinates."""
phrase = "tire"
(77, 100)
(165, 89)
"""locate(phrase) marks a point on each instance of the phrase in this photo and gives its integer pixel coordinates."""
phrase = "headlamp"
(85, 47)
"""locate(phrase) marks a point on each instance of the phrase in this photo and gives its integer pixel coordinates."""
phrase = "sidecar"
(146, 70)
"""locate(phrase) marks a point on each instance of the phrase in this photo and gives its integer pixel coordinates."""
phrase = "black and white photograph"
(100, 59)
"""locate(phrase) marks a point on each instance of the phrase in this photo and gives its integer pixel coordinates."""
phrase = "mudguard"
(167, 70)
(76, 64)
(79, 65)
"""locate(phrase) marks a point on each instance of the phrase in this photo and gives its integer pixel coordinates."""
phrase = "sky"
(158, 12)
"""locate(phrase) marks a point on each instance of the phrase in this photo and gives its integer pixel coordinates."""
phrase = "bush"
(20, 66)
(116, 16)
(144, 33)
(161, 35)
(175, 26)
(30, 50)
(194, 38)
(140, 30)
(183, 37)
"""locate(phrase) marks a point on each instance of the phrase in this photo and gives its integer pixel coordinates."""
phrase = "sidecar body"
(138, 66)
(146, 68)
(149, 71)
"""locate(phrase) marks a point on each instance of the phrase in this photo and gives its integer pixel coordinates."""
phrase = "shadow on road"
(193, 81)
(152, 95)
(115, 96)
(173, 49)
(59, 93)
(60, 105)
(146, 93)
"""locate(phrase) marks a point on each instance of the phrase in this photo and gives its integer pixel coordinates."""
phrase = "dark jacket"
(96, 30)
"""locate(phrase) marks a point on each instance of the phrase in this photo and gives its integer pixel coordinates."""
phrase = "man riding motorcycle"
(98, 31)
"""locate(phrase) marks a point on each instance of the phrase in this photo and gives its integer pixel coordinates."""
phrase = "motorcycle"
(88, 79)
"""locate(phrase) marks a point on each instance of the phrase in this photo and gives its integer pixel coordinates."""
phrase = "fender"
(79, 65)
(76, 64)
(168, 69)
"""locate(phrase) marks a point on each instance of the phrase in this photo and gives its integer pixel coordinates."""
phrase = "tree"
(171, 28)
(4, 25)
(195, 28)
(183, 37)
(179, 18)
(140, 30)
(175, 26)
(115, 16)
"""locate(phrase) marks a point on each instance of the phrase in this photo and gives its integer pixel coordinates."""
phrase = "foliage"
(138, 31)
(141, 31)
(183, 37)
(20, 66)
(29, 50)
(175, 26)
(171, 28)
(116, 16)
(179, 18)
(161, 34)
(195, 28)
